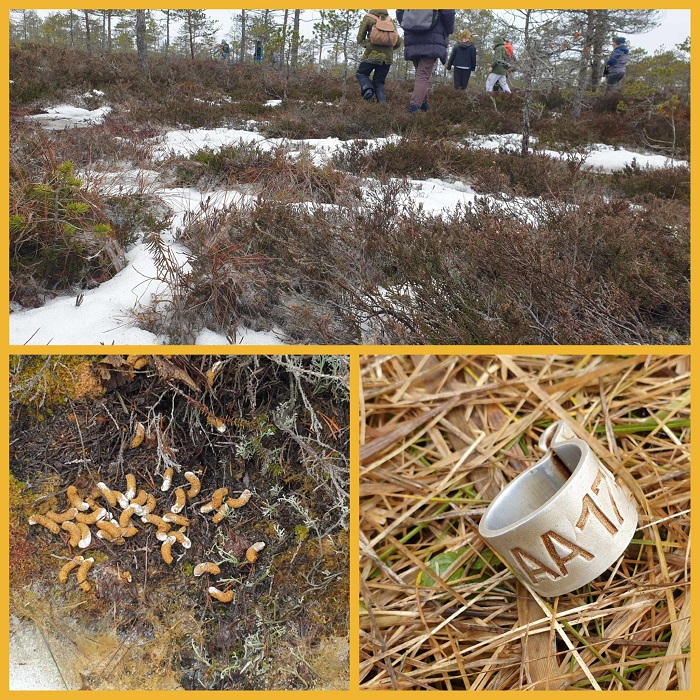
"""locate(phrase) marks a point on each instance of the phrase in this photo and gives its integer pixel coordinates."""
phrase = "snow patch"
(598, 156)
(68, 117)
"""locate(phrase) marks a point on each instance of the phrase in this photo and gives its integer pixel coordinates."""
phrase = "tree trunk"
(109, 31)
(242, 57)
(345, 60)
(584, 63)
(599, 34)
(285, 64)
(141, 40)
(320, 46)
(70, 29)
(295, 39)
(87, 31)
(190, 31)
(527, 106)
(167, 31)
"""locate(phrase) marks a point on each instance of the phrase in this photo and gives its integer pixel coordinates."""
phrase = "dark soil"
(277, 426)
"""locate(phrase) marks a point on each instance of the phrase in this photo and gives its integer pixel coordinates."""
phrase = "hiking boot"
(366, 87)
(424, 106)
(412, 109)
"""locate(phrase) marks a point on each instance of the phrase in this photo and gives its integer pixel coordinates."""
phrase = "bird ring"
(564, 521)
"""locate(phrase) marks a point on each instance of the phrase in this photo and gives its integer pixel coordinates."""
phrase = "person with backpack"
(378, 34)
(616, 65)
(426, 36)
(500, 67)
(463, 59)
(224, 50)
(512, 60)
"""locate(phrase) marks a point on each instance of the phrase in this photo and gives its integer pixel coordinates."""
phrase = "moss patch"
(41, 383)
(234, 428)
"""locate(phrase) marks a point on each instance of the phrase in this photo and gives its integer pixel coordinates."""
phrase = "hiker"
(616, 65)
(512, 60)
(500, 67)
(426, 35)
(462, 59)
(378, 34)
(224, 51)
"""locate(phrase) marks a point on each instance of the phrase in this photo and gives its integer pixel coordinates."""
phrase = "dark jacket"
(618, 60)
(373, 53)
(463, 55)
(430, 44)
(501, 63)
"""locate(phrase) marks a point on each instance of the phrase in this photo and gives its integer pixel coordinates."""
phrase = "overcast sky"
(674, 28)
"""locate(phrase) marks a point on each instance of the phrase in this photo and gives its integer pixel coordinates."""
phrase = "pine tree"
(196, 25)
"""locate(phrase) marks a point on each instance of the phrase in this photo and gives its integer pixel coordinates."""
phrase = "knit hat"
(619, 39)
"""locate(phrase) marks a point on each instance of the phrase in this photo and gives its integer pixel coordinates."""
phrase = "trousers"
(493, 78)
(461, 78)
(424, 69)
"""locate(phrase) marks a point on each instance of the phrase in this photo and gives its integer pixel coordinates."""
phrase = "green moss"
(99, 557)
(301, 533)
(21, 497)
(40, 382)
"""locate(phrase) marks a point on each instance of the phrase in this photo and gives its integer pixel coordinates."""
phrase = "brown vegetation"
(276, 425)
(556, 253)
(440, 437)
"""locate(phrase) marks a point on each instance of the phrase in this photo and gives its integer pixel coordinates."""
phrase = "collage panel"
(179, 522)
(329, 186)
(524, 522)
(279, 176)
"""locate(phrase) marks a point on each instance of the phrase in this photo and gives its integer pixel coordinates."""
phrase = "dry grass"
(440, 438)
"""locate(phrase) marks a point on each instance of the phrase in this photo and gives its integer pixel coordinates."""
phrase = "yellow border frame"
(353, 351)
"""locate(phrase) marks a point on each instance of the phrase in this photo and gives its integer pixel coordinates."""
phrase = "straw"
(441, 436)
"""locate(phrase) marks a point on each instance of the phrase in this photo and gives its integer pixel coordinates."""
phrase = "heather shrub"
(665, 183)
(210, 93)
(597, 271)
(557, 253)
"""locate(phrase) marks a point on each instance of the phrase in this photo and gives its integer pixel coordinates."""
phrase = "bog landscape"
(173, 197)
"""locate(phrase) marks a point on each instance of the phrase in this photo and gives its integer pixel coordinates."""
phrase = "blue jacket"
(618, 60)
(430, 44)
